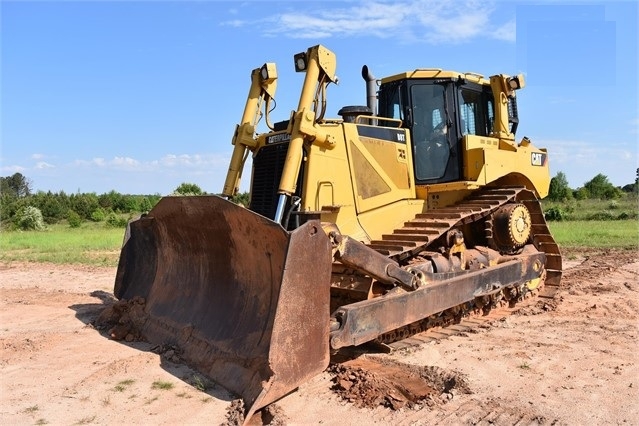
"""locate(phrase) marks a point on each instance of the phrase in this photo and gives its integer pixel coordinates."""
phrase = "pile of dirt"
(171, 353)
(271, 415)
(539, 307)
(234, 413)
(120, 319)
(368, 383)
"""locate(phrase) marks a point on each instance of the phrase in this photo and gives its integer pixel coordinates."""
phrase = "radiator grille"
(267, 171)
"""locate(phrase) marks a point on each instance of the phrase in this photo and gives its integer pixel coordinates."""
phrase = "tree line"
(21, 208)
(599, 187)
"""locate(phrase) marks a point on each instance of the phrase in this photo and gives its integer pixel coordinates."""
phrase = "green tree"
(53, 206)
(131, 203)
(555, 213)
(115, 221)
(7, 206)
(10, 205)
(241, 198)
(188, 189)
(52, 209)
(99, 215)
(145, 205)
(559, 189)
(581, 193)
(5, 189)
(110, 200)
(600, 187)
(73, 219)
(632, 187)
(84, 204)
(17, 185)
(30, 218)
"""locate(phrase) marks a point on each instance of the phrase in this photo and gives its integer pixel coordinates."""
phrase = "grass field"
(596, 233)
(95, 244)
(90, 244)
(577, 210)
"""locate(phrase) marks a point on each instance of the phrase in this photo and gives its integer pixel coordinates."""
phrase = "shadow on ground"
(170, 360)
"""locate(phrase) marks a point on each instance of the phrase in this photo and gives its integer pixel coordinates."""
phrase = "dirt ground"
(572, 361)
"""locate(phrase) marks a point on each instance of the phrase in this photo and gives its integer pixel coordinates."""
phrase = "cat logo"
(538, 159)
(278, 138)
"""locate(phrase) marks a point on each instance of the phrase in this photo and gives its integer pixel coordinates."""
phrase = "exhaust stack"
(371, 89)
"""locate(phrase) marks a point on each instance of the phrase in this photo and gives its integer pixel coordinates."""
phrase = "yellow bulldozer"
(408, 213)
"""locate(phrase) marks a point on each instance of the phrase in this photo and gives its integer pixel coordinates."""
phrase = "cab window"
(475, 113)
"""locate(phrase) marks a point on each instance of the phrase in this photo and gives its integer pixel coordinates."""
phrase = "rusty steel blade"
(246, 301)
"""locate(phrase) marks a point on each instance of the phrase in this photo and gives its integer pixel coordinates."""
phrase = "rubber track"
(419, 233)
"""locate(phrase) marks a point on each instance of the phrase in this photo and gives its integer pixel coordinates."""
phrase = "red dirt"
(573, 360)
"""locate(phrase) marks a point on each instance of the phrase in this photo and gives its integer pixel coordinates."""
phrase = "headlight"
(300, 62)
(268, 72)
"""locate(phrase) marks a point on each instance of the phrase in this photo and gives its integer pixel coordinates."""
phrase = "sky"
(139, 97)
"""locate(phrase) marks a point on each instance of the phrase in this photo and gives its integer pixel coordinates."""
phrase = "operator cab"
(440, 108)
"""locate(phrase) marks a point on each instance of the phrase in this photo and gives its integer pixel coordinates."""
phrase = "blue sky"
(139, 97)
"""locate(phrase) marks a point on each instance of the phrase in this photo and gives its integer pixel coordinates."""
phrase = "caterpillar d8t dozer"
(407, 213)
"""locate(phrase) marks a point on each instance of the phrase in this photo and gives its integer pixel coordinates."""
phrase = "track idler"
(512, 226)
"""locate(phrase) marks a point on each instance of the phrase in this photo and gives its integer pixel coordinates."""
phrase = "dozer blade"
(246, 301)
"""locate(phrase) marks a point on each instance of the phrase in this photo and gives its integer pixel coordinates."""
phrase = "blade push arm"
(319, 65)
(262, 91)
(503, 88)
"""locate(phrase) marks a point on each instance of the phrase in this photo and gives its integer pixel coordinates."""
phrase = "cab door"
(434, 130)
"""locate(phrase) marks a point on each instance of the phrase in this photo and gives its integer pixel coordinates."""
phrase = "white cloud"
(114, 163)
(507, 32)
(373, 18)
(235, 23)
(125, 162)
(13, 169)
(452, 21)
(433, 21)
(169, 161)
(44, 165)
(626, 155)
(570, 152)
(37, 156)
(86, 163)
(193, 161)
(581, 160)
